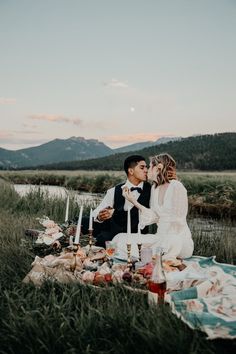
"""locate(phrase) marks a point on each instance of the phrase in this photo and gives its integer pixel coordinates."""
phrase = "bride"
(168, 209)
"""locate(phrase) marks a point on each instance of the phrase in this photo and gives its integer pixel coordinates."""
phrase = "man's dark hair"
(132, 161)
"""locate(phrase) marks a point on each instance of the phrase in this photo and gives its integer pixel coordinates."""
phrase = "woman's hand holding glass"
(127, 194)
(111, 247)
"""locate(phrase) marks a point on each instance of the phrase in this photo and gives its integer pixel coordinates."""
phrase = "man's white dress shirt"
(108, 200)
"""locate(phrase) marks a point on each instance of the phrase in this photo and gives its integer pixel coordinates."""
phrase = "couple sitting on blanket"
(164, 203)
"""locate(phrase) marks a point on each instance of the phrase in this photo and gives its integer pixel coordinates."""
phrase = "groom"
(111, 215)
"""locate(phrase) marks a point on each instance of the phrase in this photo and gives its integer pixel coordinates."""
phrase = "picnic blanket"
(206, 296)
(203, 295)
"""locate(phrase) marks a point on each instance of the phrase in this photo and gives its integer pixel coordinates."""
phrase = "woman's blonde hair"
(166, 168)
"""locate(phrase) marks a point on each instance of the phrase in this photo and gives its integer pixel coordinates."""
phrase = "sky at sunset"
(120, 71)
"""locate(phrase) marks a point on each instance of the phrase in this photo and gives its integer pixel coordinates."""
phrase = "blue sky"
(120, 71)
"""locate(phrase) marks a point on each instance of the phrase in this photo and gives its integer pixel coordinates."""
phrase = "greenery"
(215, 152)
(93, 183)
(209, 194)
(57, 150)
(69, 319)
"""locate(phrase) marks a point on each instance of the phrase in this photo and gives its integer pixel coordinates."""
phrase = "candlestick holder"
(90, 243)
(129, 263)
(139, 251)
(75, 248)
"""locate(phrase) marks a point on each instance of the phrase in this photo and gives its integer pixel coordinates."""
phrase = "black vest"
(118, 222)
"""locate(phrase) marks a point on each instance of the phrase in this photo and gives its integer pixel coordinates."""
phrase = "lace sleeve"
(178, 207)
(179, 203)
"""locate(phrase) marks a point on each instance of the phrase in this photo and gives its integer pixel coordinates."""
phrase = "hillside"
(64, 150)
(143, 145)
(58, 150)
(204, 152)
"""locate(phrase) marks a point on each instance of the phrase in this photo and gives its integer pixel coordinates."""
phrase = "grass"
(214, 238)
(70, 319)
(209, 194)
(76, 319)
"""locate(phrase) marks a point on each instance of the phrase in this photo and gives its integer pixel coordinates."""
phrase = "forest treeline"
(215, 152)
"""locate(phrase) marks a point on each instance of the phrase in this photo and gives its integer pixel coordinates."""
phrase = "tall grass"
(209, 194)
(95, 182)
(214, 238)
(59, 318)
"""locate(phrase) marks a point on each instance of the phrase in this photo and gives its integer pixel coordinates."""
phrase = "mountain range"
(64, 150)
(145, 144)
(215, 152)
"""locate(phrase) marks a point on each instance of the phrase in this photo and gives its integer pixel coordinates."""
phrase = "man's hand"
(105, 214)
(171, 173)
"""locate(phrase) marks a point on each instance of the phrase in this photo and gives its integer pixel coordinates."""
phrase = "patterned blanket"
(206, 296)
(203, 295)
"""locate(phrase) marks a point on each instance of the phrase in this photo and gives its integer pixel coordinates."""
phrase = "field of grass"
(70, 319)
(9, 174)
(212, 194)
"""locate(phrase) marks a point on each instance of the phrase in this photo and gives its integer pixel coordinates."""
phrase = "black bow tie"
(138, 189)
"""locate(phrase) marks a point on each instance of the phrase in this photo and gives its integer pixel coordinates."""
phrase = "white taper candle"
(139, 217)
(91, 219)
(67, 208)
(128, 222)
(77, 235)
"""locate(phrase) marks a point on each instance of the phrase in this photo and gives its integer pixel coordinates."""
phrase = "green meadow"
(73, 318)
(210, 194)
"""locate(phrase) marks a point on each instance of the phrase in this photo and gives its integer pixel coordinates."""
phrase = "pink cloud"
(5, 100)
(5, 135)
(19, 139)
(55, 118)
(28, 132)
(116, 83)
(134, 138)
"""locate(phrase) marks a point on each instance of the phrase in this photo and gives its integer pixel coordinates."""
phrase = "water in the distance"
(205, 226)
(58, 192)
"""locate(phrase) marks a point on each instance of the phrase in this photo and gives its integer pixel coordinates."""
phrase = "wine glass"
(110, 249)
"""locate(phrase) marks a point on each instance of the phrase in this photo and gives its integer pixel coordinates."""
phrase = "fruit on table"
(146, 270)
(98, 278)
(108, 277)
(127, 276)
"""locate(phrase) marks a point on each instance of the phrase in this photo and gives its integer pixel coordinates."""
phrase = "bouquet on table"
(51, 233)
(52, 238)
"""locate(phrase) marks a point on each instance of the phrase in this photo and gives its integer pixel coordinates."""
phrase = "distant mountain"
(201, 152)
(215, 152)
(58, 150)
(145, 144)
(166, 139)
(134, 147)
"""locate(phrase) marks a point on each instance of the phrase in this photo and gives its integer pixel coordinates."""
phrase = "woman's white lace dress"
(173, 233)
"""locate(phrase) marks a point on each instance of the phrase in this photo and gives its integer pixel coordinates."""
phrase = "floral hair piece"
(160, 166)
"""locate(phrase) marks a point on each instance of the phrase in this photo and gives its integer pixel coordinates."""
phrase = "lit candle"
(77, 235)
(139, 229)
(139, 235)
(91, 219)
(67, 208)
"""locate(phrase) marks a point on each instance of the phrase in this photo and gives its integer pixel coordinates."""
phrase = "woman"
(168, 209)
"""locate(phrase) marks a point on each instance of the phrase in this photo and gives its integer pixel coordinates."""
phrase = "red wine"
(157, 288)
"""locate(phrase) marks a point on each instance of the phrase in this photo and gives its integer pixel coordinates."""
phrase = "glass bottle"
(157, 283)
(146, 255)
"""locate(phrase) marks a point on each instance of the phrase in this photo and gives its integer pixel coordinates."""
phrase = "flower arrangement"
(51, 233)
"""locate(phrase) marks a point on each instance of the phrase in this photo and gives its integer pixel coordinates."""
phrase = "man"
(111, 214)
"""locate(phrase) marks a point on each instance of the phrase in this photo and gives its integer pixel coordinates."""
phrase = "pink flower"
(48, 223)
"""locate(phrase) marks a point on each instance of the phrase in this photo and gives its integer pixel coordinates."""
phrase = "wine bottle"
(157, 283)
